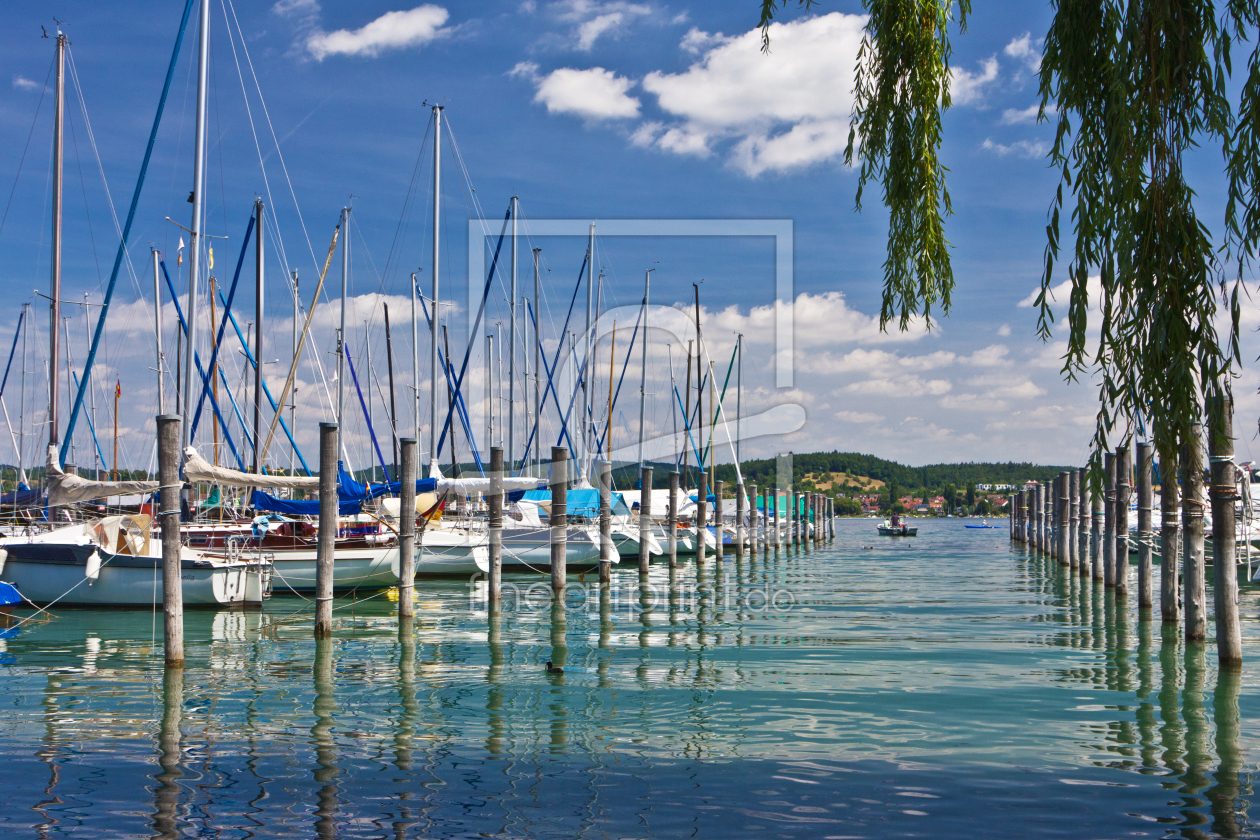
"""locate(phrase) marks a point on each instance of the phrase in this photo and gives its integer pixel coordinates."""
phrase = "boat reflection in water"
(688, 708)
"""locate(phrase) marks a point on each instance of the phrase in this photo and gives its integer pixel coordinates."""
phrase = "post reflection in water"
(326, 770)
(170, 752)
(687, 707)
(558, 710)
(1227, 820)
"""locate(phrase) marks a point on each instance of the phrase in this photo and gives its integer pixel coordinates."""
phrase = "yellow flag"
(212, 258)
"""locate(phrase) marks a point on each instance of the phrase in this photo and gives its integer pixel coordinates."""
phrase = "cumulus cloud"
(818, 321)
(858, 417)
(779, 111)
(23, 83)
(1020, 116)
(595, 93)
(1025, 50)
(697, 41)
(1021, 148)
(971, 402)
(907, 385)
(967, 87)
(391, 31)
(1004, 330)
(594, 20)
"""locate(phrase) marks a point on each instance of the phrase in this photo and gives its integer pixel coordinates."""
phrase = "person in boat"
(896, 520)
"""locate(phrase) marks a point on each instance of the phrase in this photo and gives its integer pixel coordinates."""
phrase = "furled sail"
(65, 489)
(198, 469)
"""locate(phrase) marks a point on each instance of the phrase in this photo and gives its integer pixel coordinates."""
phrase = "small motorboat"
(896, 528)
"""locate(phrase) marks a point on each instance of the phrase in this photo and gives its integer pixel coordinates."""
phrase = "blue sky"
(586, 110)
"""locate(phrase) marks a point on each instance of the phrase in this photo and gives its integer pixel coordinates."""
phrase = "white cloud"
(862, 360)
(595, 93)
(972, 402)
(23, 83)
(967, 88)
(392, 30)
(594, 20)
(858, 417)
(992, 356)
(1017, 116)
(697, 41)
(1004, 330)
(907, 385)
(1021, 148)
(782, 111)
(1026, 50)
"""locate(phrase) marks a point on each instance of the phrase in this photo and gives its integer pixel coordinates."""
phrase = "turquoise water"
(949, 685)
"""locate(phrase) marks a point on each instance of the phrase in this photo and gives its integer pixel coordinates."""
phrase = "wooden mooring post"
(168, 502)
(718, 548)
(606, 547)
(1145, 497)
(1169, 543)
(407, 532)
(671, 519)
(754, 521)
(1083, 523)
(645, 519)
(326, 539)
(741, 508)
(1192, 508)
(1062, 518)
(1224, 539)
(1097, 523)
(702, 516)
(494, 502)
(1073, 519)
(1124, 467)
(559, 519)
(1109, 520)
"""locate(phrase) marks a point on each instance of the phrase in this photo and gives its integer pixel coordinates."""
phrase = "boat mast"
(293, 399)
(415, 360)
(699, 382)
(647, 277)
(259, 270)
(55, 304)
(433, 321)
(199, 178)
(393, 404)
(511, 378)
(586, 390)
(537, 371)
(157, 327)
(26, 319)
(341, 332)
(739, 395)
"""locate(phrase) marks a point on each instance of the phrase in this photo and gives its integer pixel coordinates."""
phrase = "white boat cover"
(482, 485)
(64, 489)
(198, 469)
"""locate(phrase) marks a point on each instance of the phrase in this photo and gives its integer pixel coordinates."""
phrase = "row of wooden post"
(1084, 524)
(821, 511)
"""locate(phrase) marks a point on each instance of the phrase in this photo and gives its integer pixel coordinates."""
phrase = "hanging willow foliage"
(902, 88)
(1135, 86)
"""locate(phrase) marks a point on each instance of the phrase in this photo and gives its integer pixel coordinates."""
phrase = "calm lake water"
(944, 686)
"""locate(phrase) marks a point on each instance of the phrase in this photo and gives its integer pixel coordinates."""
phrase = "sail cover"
(198, 469)
(65, 489)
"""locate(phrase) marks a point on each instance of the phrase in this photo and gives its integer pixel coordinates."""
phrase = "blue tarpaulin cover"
(350, 493)
(582, 502)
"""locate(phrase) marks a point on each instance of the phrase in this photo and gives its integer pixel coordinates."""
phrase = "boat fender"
(4, 555)
(93, 570)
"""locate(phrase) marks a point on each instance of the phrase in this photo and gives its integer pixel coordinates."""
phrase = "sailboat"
(110, 561)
